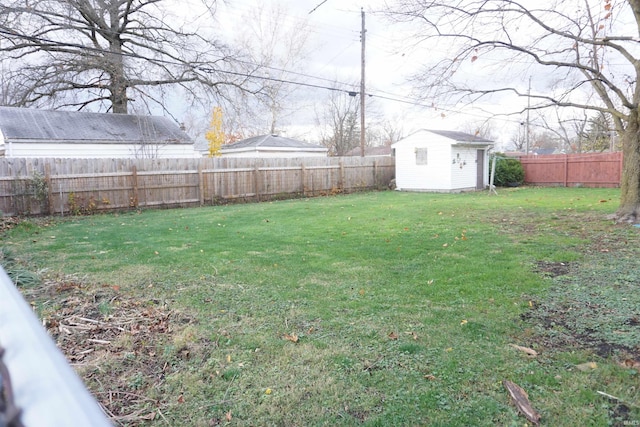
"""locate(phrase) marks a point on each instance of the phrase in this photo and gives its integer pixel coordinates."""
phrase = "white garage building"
(26, 132)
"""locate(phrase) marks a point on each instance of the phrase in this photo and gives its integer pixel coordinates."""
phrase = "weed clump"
(18, 273)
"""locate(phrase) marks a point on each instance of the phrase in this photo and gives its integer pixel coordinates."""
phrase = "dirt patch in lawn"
(553, 269)
(122, 347)
(593, 303)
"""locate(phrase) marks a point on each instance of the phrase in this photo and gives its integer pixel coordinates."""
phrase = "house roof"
(381, 150)
(271, 142)
(459, 138)
(30, 125)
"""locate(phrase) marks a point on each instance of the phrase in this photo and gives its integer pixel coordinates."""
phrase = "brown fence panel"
(63, 186)
(573, 170)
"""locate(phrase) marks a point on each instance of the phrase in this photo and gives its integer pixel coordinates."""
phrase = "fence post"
(214, 185)
(375, 174)
(256, 181)
(302, 179)
(47, 180)
(134, 183)
(341, 177)
(566, 169)
(200, 184)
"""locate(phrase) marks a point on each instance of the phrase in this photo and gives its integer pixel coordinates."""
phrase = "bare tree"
(279, 46)
(108, 53)
(340, 123)
(597, 135)
(383, 132)
(483, 129)
(573, 45)
(566, 131)
(518, 140)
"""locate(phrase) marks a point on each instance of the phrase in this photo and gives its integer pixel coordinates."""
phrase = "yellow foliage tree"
(214, 134)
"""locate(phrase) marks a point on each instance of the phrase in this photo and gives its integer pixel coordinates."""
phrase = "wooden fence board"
(92, 185)
(574, 170)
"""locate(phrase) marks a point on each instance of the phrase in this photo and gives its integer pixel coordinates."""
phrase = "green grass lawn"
(382, 308)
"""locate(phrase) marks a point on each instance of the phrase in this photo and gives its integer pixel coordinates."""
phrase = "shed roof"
(460, 136)
(272, 142)
(24, 124)
(457, 138)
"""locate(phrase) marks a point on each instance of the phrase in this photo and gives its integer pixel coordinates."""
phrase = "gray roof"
(271, 141)
(24, 124)
(460, 136)
(381, 150)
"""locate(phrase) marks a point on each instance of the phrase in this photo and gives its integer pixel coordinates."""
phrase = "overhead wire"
(352, 91)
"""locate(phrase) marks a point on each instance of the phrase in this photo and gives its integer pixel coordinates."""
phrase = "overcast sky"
(334, 39)
(335, 54)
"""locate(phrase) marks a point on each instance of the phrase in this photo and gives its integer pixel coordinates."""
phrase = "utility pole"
(528, 108)
(362, 88)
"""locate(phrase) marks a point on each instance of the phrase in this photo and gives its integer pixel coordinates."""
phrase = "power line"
(315, 8)
(393, 98)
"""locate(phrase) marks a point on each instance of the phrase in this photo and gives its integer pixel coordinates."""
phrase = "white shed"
(442, 161)
(272, 146)
(26, 132)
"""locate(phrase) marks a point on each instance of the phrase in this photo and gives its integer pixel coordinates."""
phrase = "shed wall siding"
(466, 176)
(440, 173)
(435, 175)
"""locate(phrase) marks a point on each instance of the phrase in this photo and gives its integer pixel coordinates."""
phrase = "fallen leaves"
(99, 325)
(413, 335)
(293, 338)
(393, 336)
(520, 399)
(630, 363)
(526, 350)
(587, 366)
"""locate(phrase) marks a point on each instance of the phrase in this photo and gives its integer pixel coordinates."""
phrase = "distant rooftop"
(271, 141)
(381, 150)
(25, 124)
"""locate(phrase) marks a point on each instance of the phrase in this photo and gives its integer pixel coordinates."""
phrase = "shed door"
(480, 170)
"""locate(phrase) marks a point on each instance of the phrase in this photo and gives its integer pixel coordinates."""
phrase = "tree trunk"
(118, 80)
(629, 210)
(118, 95)
(118, 83)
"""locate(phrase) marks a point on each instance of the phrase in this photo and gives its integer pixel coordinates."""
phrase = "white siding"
(98, 151)
(435, 175)
(464, 171)
(273, 153)
(440, 173)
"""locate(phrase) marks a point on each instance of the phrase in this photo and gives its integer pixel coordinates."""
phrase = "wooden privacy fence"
(62, 186)
(573, 170)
